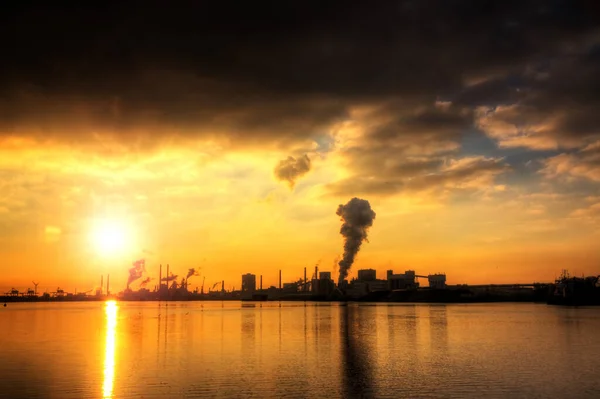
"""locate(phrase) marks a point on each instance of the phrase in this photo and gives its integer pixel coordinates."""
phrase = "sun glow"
(110, 237)
(109, 351)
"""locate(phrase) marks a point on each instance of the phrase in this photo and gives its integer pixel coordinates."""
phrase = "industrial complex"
(313, 286)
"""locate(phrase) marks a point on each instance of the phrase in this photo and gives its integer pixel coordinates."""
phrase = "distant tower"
(249, 282)
(304, 288)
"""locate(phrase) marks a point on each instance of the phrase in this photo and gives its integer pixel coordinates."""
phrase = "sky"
(224, 136)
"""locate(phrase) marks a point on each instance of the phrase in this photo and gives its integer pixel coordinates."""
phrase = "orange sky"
(72, 216)
(195, 136)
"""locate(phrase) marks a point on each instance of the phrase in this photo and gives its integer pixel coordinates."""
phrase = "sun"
(110, 237)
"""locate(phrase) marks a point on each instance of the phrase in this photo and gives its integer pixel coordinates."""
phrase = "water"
(272, 350)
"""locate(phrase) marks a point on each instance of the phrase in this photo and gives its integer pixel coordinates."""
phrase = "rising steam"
(192, 272)
(170, 278)
(291, 169)
(357, 216)
(145, 281)
(139, 267)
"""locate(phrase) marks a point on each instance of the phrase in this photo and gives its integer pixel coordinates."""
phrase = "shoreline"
(8, 300)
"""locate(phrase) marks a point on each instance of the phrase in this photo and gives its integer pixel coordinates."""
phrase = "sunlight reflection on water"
(297, 350)
(109, 351)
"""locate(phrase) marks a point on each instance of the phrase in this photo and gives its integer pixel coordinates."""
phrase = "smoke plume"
(336, 262)
(139, 267)
(170, 278)
(145, 281)
(357, 216)
(192, 272)
(291, 169)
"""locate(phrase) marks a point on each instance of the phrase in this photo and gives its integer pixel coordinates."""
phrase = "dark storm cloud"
(553, 105)
(407, 147)
(411, 77)
(423, 119)
(474, 173)
(245, 69)
(492, 92)
(168, 103)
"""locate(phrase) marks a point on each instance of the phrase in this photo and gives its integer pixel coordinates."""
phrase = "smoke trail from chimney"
(192, 272)
(171, 277)
(139, 267)
(145, 281)
(357, 216)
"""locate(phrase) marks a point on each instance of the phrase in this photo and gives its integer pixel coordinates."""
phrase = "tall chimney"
(304, 288)
(261, 281)
(222, 285)
(108, 284)
(316, 272)
(279, 278)
(159, 277)
(167, 276)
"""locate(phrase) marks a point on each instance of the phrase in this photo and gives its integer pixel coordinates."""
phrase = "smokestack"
(167, 276)
(316, 272)
(304, 288)
(279, 278)
(223, 286)
(159, 276)
(357, 216)
(261, 281)
(108, 284)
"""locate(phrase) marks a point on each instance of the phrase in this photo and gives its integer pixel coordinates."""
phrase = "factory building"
(404, 281)
(437, 281)
(248, 282)
(325, 275)
(324, 285)
(366, 283)
(377, 285)
(357, 289)
(367, 280)
(367, 275)
(290, 288)
(407, 280)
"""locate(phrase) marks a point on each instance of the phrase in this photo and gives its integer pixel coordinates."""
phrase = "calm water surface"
(273, 350)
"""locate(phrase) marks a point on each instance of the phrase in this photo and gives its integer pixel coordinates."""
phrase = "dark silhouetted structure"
(248, 282)
(367, 275)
